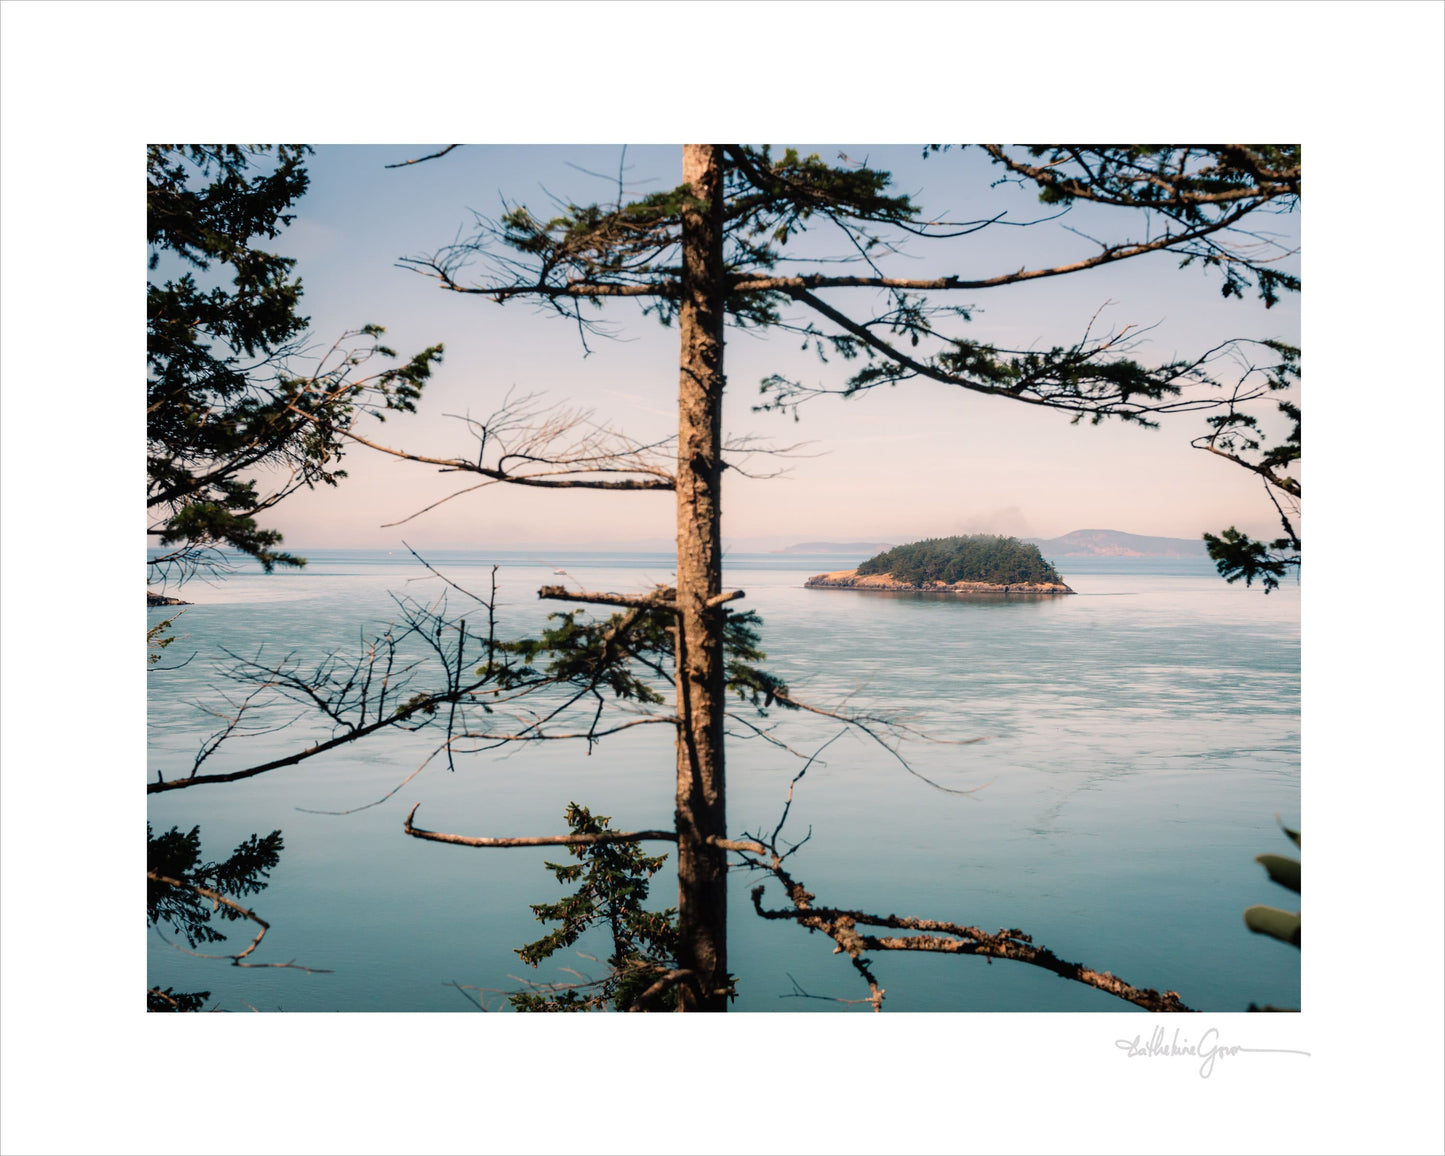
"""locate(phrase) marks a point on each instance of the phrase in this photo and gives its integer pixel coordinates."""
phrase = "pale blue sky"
(918, 460)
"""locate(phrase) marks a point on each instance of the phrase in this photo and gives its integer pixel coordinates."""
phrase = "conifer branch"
(237, 960)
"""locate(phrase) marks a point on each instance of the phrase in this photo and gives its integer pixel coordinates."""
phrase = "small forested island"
(972, 564)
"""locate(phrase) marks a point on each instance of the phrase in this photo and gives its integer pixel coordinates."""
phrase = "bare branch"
(568, 840)
(1288, 485)
(419, 160)
(237, 960)
(661, 598)
(368, 694)
(585, 289)
(377, 802)
(799, 992)
(876, 727)
(841, 926)
(545, 479)
(537, 840)
(534, 732)
(958, 939)
(524, 443)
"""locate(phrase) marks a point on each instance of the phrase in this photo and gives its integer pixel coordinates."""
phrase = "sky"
(918, 460)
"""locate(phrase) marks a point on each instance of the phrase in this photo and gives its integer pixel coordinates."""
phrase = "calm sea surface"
(1138, 741)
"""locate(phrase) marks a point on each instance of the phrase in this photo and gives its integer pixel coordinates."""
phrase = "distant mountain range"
(1117, 544)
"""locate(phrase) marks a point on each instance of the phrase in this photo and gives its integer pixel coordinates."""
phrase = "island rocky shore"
(154, 599)
(849, 580)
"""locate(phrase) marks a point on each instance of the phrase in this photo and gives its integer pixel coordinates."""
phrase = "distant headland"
(1117, 544)
(972, 564)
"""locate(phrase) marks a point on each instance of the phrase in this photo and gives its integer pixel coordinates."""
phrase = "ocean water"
(1135, 744)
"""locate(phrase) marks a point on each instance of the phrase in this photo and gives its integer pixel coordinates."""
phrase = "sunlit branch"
(566, 840)
(956, 939)
(841, 926)
(659, 599)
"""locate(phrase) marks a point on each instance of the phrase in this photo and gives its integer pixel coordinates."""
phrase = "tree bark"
(701, 803)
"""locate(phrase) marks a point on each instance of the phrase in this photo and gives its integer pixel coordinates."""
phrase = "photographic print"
(734, 578)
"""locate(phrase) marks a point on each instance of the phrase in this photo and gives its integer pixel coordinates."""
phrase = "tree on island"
(706, 255)
(971, 558)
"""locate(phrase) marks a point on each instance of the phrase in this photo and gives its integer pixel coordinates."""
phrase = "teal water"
(1137, 741)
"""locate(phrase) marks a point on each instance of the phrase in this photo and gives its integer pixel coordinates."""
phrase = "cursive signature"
(1207, 1050)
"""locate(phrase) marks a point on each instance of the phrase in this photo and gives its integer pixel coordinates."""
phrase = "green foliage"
(157, 640)
(612, 880)
(1237, 437)
(1187, 200)
(1272, 921)
(971, 558)
(1073, 377)
(1284, 871)
(620, 653)
(586, 652)
(1189, 184)
(1191, 199)
(741, 650)
(177, 855)
(767, 201)
(171, 1000)
(221, 401)
(1236, 555)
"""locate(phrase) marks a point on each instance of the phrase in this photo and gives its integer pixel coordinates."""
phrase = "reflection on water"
(1139, 737)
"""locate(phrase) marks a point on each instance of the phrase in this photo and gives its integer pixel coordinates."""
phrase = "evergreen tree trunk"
(701, 802)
